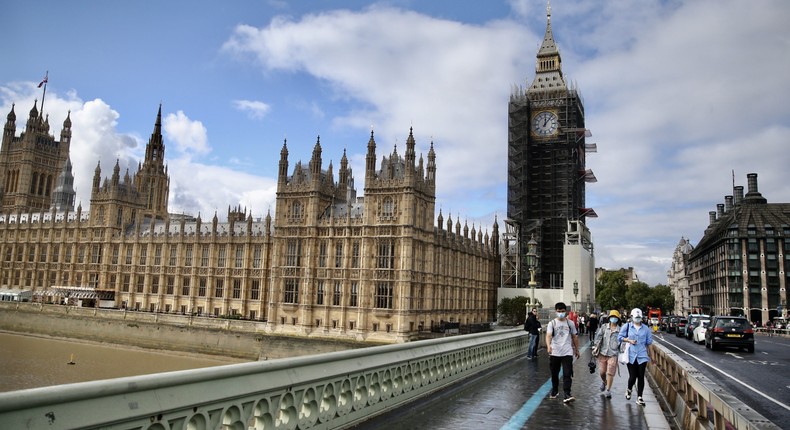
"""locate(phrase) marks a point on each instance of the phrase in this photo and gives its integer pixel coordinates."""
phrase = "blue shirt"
(643, 336)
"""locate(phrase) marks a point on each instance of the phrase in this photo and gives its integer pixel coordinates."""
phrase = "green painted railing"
(326, 391)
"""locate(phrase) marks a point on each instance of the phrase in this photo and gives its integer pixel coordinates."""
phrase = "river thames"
(34, 361)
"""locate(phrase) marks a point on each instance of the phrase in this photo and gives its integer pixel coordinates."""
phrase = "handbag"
(622, 357)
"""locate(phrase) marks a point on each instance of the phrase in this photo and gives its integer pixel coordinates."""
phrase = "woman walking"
(605, 349)
(640, 337)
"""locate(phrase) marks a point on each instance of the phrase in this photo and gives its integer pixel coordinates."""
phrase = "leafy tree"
(639, 295)
(610, 291)
(662, 298)
(513, 311)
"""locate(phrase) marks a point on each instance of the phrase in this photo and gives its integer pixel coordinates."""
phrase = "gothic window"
(31, 254)
(256, 257)
(339, 254)
(202, 287)
(119, 217)
(293, 253)
(116, 250)
(383, 297)
(319, 295)
(143, 254)
(95, 254)
(237, 288)
(188, 255)
(255, 291)
(218, 287)
(126, 281)
(322, 254)
(388, 207)
(185, 287)
(204, 256)
(296, 210)
(355, 255)
(239, 256)
(158, 254)
(386, 254)
(42, 257)
(81, 254)
(291, 290)
(221, 256)
(337, 294)
(171, 285)
(354, 295)
(140, 283)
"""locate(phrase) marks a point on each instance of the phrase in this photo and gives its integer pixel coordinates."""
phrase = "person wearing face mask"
(562, 344)
(605, 348)
(640, 337)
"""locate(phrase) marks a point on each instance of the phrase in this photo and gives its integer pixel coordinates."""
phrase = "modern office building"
(329, 264)
(740, 266)
(547, 175)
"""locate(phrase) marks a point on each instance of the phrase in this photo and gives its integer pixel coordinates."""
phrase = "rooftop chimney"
(753, 195)
(738, 194)
(719, 210)
(727, 203)
(712, 215)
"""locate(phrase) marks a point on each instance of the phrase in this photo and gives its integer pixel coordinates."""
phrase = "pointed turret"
(410, 154)
(315, 161)
(10, 127)
(431, 169)
(548, 70)
(282, 173)
(370, 158)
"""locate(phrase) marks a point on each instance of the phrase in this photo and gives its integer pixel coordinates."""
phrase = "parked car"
(698, 335)
(672, 324)
(664, 323)
(692, 322)
(729, 331)
(681, 326)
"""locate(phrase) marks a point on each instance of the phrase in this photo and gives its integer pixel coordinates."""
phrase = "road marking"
(520, 418)
(734, 355)
(731, 377)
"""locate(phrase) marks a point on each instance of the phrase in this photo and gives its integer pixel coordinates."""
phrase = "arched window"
(387, 207)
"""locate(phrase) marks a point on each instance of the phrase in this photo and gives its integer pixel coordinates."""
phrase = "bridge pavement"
(516, 396)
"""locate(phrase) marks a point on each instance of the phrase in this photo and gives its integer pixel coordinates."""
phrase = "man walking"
(592, 326)
(532, 326)
(562, 343)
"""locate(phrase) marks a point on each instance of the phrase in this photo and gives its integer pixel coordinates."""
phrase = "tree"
(513, 311)
(611, 290)
(662, 298)
(639, 295)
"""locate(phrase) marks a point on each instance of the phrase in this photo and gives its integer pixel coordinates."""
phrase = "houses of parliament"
(329, 263)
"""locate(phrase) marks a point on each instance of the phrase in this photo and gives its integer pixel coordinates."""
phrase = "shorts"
(608, 364)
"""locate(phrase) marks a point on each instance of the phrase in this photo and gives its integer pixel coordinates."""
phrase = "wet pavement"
(516, 396)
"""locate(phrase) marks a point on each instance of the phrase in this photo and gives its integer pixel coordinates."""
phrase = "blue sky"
(678, 94)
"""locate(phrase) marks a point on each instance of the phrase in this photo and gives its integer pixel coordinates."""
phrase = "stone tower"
(31, 163)
(546, 162)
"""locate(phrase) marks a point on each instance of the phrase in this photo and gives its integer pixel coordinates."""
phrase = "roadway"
(761, 379)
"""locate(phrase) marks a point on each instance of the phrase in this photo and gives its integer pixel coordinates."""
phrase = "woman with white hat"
(639, 336)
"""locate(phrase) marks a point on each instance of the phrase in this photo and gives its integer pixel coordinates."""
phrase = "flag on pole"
(44, 81)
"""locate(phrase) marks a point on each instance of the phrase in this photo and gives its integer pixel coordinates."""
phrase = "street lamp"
(532, 263)
(575, 295)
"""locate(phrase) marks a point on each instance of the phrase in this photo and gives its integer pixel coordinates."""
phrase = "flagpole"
(46, 79)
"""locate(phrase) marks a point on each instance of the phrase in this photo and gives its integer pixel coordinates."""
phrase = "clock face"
(545, 123)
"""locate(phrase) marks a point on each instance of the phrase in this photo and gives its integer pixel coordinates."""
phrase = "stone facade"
(678, 277)
(329, 264)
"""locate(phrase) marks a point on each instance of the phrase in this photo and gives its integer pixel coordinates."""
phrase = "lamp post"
(575, 295)
(532, 263)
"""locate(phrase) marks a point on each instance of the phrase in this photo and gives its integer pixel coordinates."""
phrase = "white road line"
(730, 376)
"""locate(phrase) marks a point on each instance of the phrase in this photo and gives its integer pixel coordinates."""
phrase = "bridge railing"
(695, 401)
(326, 391)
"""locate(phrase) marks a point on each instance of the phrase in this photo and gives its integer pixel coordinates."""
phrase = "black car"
(664, 323)
(673, 322)
(729, 331)
(680, 327)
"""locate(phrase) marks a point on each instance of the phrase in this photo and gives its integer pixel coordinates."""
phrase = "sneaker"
(628, 394)
(603, 386)
(608, 394)
(639, 401)
(553, 395)
(570, 399)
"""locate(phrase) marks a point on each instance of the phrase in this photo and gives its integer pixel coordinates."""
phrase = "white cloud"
(254, 109)
(189, 136)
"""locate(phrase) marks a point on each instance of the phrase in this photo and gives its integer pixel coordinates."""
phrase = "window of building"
(386, 254)
(171, 285)
(293, 252)
(354, 295)
(218, 287)
(140, 283)
(185, 287)
(355, 255)
(383, 295)
(202, 287)
(319, 294)
(155, 285)
(173, 254)
(237, 288)
(255, 290)
(81, 254)
(253, 315)
(126, 281)
(257, 251)
(31, 254)
(296, 210)
(221, 256)
(158, 254)
(339, 254)
(129, 248)
(322, 254)
(143, 254)
(239, 260)
(42, 256)
(93, 280)
(337, 293)
(188, 255)
(291, 290)
(204, 253)
(387, 207)
(95, 254)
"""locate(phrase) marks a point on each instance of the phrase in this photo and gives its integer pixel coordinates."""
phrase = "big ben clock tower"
(546, 165)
